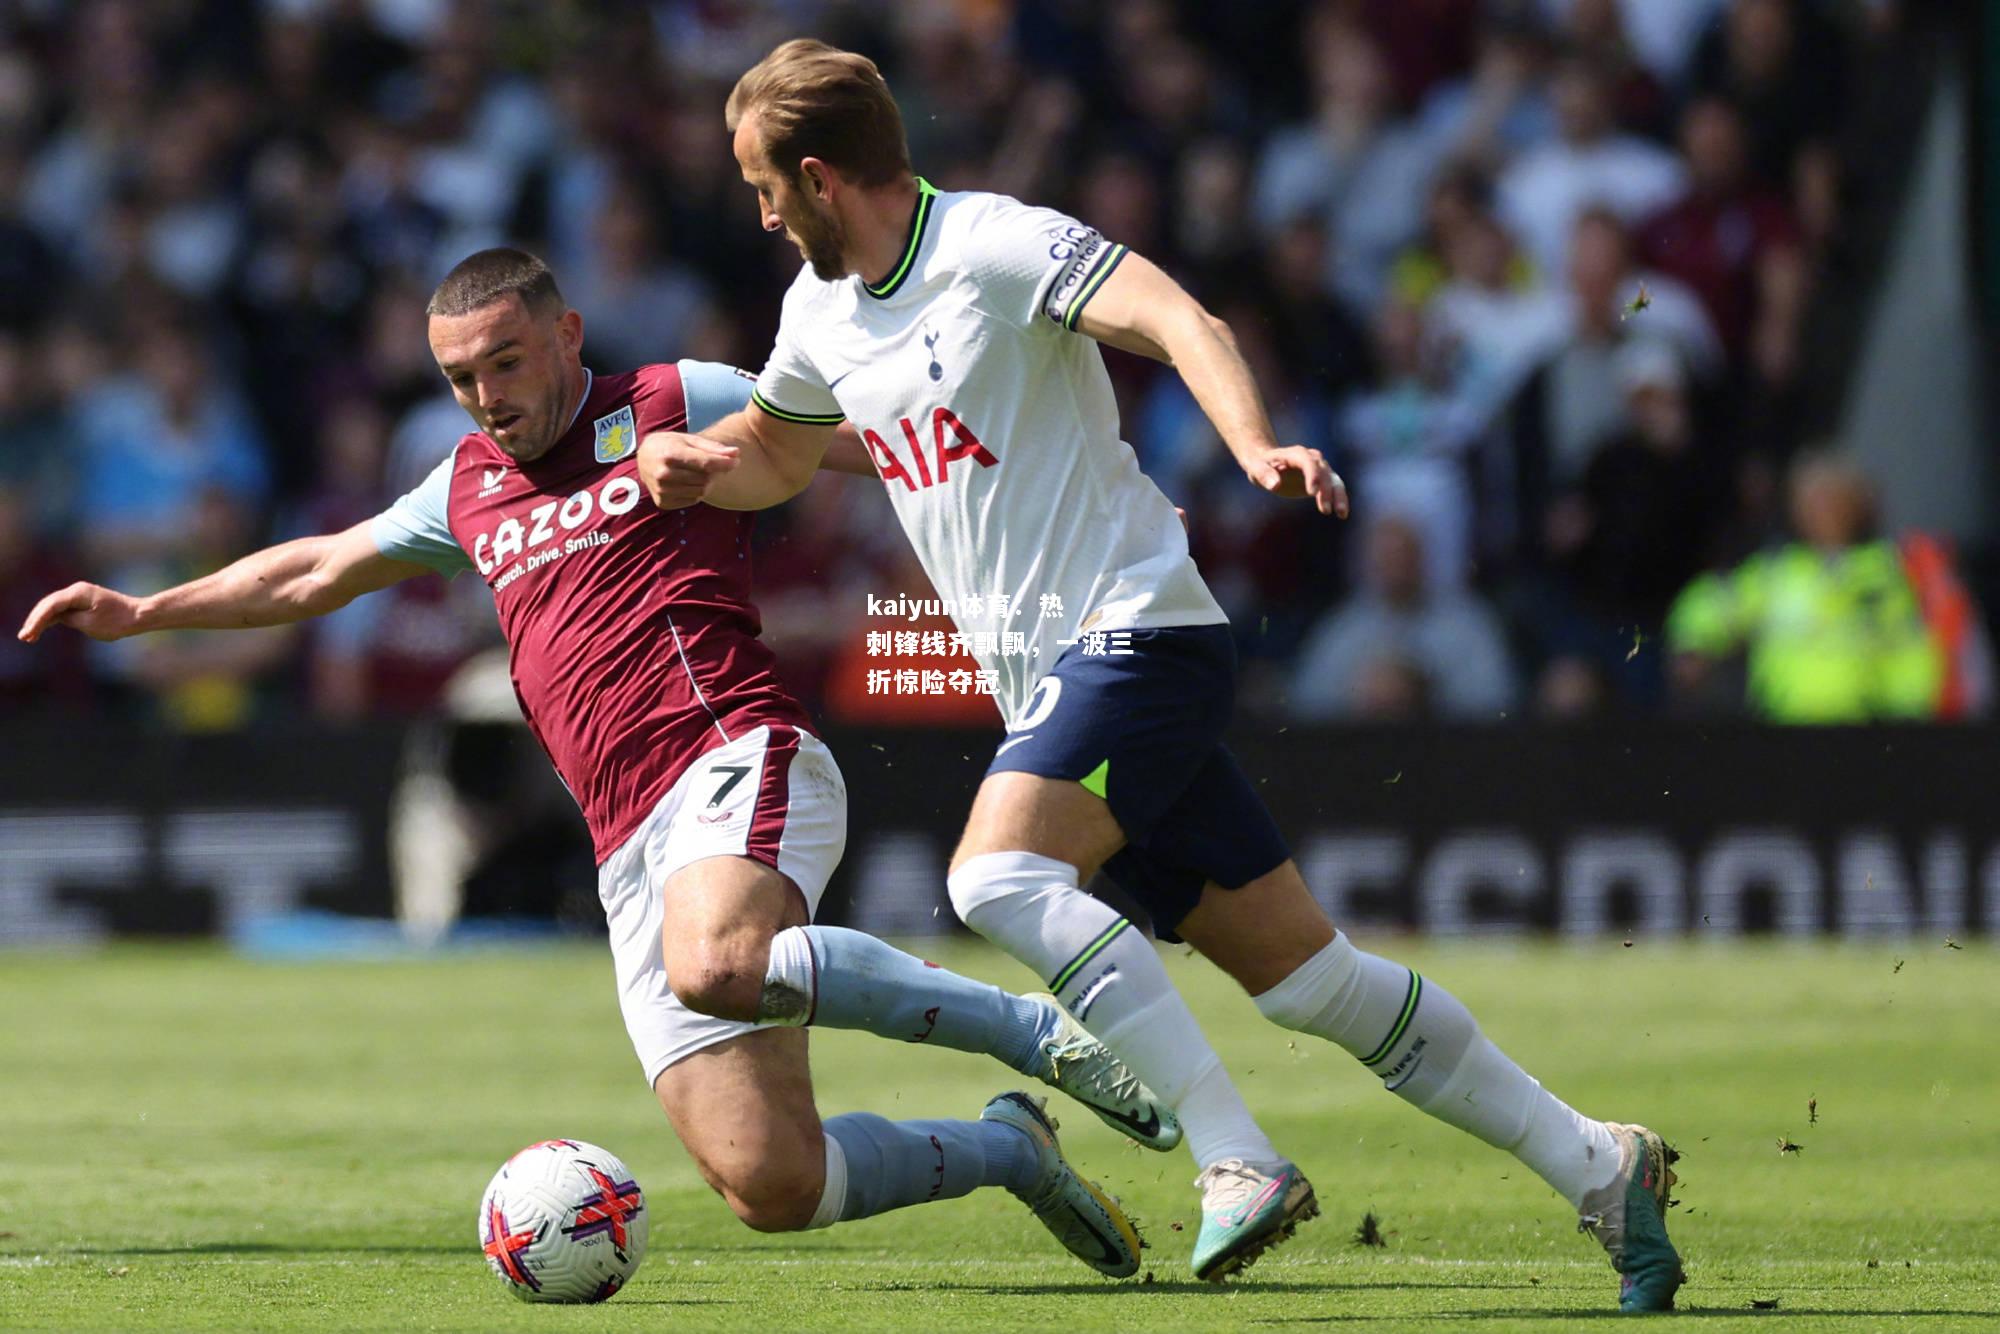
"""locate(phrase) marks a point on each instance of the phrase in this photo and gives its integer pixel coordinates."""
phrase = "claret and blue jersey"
(631, 634)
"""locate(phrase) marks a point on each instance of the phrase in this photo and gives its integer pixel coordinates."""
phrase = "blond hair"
(814, 100)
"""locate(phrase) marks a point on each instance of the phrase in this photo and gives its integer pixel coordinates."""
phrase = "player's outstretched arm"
(276, 586)
(749, 460)
(1140, 309)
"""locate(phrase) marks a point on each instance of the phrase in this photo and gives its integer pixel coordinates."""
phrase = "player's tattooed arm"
(1140, 309)
(750, 460)
(276, 586)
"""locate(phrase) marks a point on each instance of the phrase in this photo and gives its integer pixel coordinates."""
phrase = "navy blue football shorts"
(1143, 730)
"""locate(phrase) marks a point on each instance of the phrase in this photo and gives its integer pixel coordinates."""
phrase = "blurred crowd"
(1535, 274)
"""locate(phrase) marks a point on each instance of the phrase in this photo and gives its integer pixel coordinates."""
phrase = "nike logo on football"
(1011, 742)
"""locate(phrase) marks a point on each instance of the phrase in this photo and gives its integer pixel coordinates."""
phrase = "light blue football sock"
(891, 1164)
(831, 977)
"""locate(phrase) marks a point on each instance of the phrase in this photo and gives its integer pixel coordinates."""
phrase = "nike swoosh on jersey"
(1012, 741)
(833, 382)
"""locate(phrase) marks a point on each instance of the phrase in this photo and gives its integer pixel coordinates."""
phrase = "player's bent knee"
(777, 1188)
(774, 1202)
(722, 985)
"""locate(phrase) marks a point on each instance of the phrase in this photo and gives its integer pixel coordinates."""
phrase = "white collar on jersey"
(577, 416)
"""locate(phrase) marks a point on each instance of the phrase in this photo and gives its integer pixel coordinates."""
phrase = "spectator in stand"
(1262, 557)
(29, 567)
(31, 275)
(1500, 320)
(109, 83)
(1663, 33)
(191, 225)
(157, 444)
(35, 437)
(1425, 42)
(1580, 402)
(1354, 163)
(1829, 624)
(1500, 108)
(640, 301)
(1172, 97)
(299, 289)
(1779, 62)
(1412, 440)
(1595, 30)
(190, 681)
(1211, 222)
(1592, 164)
(1635, 527)
(1361, 659)
(1457, 197)
(1321, 346)
(1735, 243)
(475, 134)
(395, 651)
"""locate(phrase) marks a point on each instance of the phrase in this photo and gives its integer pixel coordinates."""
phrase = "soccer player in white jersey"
(958, 333)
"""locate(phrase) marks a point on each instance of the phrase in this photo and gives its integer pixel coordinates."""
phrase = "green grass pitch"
(196, 1142)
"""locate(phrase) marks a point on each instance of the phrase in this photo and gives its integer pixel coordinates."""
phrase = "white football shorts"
(773, 795)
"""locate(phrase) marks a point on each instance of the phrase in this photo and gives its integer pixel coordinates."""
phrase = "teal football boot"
(1245, 1211)
(1629, 1219)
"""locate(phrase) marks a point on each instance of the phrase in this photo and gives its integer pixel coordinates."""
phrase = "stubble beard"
(527, 451)
(820, 241)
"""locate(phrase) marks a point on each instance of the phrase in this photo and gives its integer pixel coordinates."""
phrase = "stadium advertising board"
(1587, 832)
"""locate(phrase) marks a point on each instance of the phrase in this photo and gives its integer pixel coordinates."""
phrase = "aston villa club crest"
(617, 436)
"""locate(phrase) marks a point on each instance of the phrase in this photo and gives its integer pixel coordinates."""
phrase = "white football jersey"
(994, 428)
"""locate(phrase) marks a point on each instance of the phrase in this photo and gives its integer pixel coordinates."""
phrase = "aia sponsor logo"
(920, 464)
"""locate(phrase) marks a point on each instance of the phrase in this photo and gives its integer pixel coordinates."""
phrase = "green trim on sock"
(1402, 1021)
(1090, 951)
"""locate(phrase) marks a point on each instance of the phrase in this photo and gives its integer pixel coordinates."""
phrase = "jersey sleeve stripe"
(1089, 289)
(806, 418)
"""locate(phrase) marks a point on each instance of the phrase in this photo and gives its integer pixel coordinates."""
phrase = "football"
(563, 1221)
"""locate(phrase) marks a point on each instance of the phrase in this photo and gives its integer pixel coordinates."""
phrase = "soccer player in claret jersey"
(955, 332)
(717, 816)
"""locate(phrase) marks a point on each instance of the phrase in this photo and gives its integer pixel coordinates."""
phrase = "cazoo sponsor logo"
(550, 520)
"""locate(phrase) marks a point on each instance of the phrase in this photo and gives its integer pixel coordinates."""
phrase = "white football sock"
(1428, 1050)
(1107, 974)
(832, 1194)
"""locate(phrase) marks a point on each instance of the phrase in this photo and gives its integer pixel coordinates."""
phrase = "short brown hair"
(486, 276)
(815, 100)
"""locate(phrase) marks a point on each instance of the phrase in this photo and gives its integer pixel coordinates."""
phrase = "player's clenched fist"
(101, 613)
(676, 468)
